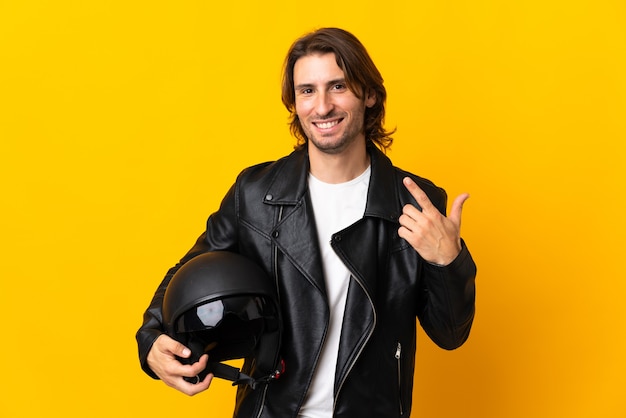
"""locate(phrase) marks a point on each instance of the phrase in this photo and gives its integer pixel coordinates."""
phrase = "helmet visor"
(226, 328)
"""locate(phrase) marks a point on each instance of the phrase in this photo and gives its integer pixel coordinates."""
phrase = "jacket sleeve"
(219, 235)
(448, 307)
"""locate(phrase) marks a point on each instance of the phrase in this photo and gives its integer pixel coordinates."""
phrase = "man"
(357, 248)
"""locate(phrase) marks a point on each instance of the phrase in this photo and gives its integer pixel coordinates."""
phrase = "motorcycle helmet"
(223, 304)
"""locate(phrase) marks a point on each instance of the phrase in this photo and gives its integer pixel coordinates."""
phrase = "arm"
(447, 308)
(152, 326)
(157, 351)
(447, 311)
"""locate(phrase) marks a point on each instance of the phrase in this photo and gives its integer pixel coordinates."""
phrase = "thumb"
(457, 208)
(182, 351)
(168, 344)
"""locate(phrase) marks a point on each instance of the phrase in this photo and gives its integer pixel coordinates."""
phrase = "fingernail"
(186, 352)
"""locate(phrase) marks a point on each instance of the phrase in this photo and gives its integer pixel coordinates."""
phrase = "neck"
(341, 167)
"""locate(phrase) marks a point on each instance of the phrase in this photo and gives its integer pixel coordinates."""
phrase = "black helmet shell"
(211, 276)
(224, 304)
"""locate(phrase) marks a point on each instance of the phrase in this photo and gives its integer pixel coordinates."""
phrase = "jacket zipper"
(280, 218)
(262, 401)
(398, 356)
(275, 261)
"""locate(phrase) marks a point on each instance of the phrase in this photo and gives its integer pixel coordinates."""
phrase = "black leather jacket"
(267, 216)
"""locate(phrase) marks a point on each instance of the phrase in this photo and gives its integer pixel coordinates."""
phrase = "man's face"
(330, 114)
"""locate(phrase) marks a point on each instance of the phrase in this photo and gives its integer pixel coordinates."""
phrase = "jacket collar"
(382, 195)
(291, 183)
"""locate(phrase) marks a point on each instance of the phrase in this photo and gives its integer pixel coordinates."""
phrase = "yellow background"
(123, 123)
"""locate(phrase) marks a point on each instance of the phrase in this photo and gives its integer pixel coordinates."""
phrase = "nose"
(323, 104)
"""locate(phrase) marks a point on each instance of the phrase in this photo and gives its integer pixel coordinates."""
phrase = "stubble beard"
(330, 147)
(338, 145)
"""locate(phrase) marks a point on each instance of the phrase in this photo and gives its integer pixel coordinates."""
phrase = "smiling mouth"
(327, 125)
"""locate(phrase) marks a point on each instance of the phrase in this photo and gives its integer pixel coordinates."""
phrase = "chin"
(328, 147)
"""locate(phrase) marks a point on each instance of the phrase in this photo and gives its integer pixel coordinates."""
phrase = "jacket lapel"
(289, 189)
(361, 246)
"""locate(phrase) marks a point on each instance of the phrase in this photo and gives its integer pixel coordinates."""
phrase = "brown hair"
(362, 77)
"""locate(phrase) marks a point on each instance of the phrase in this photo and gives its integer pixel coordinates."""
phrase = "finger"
(419, 195)
(194, 370)
(204, 384)
(192, 389)
(169, 345)
(190, 370)
(407, 221)
(200, 364)
(182, 351)
(411, 212)
(457, 208)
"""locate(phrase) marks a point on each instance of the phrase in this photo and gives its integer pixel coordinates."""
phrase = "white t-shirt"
(336, 206)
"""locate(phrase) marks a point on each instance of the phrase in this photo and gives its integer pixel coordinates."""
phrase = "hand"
(163, 363)
(435, 237)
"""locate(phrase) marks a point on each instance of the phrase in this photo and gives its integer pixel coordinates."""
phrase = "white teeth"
(326, 125)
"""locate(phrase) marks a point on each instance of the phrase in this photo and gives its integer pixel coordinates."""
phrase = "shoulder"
(283, 180)
(269, 169)
(259, 174)
(436, 194)
(388, 174)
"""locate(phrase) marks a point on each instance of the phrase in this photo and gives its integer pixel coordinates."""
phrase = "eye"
(338, 87)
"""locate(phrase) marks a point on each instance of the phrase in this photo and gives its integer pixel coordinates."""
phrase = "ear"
(370, 98)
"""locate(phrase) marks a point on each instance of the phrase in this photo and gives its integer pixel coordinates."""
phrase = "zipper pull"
(398, 351)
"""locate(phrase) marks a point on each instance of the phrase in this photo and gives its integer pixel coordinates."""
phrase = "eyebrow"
(329, 83)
